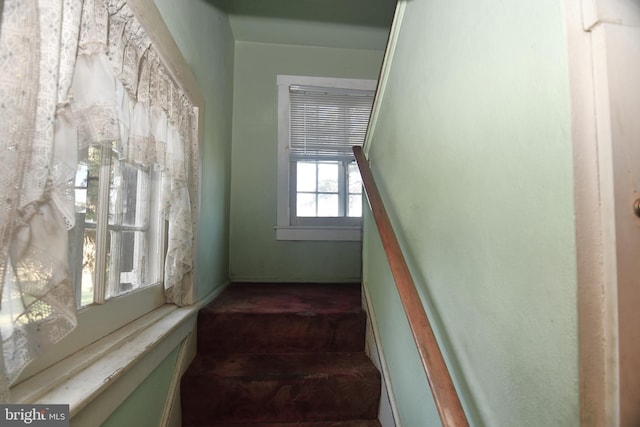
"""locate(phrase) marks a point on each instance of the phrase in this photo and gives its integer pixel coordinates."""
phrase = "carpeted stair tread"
(281, 388)
(282, 355)
(279, 333)
(288, 298)
(250, 318)
(349, 423)
(283, 366)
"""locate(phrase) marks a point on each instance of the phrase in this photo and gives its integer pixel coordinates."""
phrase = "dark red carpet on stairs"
(282, 355)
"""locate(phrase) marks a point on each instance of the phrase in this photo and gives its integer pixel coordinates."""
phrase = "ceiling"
(353, 24)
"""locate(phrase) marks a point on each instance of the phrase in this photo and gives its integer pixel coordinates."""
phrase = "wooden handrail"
(444, 393)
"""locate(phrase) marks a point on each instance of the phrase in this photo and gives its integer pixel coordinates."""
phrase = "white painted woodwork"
(394, 33)
(388, 414)
(617, 75)
(598, 370)
(619, 12)
(604, 61)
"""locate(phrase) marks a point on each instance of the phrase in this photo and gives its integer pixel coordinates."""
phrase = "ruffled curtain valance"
(147, 119)
(78, 73)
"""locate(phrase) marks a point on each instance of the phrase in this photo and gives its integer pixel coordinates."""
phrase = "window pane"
(328, 205)
(328, 177)
(82, 237)
(129, 261)
(87, 278)
(81, 184)
(82, 260)
(92, 160)
(133, 234)
(81, 200)
(355, 205)
(135, 198)
(129, 195)
(306, 176)
(355, 181)
(306, 204)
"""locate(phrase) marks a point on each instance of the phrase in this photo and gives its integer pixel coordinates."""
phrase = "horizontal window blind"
(326, 122)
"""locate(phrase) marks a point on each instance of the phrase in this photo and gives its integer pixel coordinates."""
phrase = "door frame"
(603, 210)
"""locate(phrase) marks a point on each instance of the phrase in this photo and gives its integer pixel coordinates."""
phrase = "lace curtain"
(75, 73)
(147, 119)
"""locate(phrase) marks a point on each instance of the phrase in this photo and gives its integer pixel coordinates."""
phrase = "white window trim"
(284, 229)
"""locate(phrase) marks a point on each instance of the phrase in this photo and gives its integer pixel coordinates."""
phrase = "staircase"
(282, 355)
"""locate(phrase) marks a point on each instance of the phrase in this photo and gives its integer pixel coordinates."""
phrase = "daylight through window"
(324, 119)
(118, 229)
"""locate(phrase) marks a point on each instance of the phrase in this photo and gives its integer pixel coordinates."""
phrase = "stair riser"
(350, 423)
(265, 400)
(280, 333)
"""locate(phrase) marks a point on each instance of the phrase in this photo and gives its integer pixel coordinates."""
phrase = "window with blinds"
(319, 121)
(326, 122)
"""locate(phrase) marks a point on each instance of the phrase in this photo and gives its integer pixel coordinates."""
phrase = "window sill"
(89, 373)
(94, 381)
(352, 234)
(96, 321)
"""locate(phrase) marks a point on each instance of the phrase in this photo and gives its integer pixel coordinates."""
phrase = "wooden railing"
(444, 393)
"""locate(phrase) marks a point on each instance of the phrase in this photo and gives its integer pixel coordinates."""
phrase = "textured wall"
(472, 153)
(255, 253)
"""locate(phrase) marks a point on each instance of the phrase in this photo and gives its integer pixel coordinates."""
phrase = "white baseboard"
(388, 411)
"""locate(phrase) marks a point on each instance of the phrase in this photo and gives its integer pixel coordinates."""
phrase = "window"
(117, 243)
(326, 189)
(319, 188)
(116, 131)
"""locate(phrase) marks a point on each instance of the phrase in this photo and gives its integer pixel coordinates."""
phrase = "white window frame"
(285, 228)
(148, 220)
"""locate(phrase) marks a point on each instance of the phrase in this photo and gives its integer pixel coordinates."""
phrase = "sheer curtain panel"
(76, 74)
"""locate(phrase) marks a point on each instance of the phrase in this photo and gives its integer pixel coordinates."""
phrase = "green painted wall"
(413, 398)
(473, 156)
(143, 408)
(255, 253)
(204, 36)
